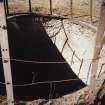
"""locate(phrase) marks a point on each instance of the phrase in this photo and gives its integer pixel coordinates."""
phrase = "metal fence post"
(51, 12)
(30, 6)
(6, 7)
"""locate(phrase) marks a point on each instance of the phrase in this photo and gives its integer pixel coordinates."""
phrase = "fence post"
(30, 7)
(5, 55)
(97, 49)
(51, 12)
(71, 8)
(91, 11)
(6, 7)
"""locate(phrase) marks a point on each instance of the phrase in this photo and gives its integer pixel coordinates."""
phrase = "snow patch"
(76, 43)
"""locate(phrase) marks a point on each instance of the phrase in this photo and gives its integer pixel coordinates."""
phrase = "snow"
(79, 39)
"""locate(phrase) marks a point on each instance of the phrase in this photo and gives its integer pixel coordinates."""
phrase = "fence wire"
(87, 10)
(83, 11)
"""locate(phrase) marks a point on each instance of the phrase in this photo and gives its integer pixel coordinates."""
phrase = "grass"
(60, 7)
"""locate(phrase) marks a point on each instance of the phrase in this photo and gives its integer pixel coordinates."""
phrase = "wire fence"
(87, 10)
(60, 81)
(79, 60)
(81, 96)
(73, 11)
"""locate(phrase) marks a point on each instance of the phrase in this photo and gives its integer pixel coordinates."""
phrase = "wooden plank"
(5, 55)
(98, 46)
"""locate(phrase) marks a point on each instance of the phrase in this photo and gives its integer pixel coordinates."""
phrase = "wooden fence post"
(5, 55)
(98, 47)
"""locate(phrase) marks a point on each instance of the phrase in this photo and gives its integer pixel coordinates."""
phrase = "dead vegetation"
(79, 8)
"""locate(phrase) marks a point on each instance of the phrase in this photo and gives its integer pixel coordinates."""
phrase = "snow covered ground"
(76, 43)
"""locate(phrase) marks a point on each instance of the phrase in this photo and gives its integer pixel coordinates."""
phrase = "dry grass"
(60, 7)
